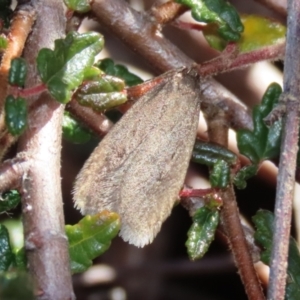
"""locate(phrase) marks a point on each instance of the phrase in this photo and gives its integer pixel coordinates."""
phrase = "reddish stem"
(225, 63)
(28, 92)
(218, 133)
(137, 91)
(98, 122)
(196, 192)
(188, 26)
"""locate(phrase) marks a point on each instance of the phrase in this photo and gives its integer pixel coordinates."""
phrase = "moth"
(139, 167)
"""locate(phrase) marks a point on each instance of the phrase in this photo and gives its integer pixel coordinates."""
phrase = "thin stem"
(218, 133)
(225, 63)
(11, 172)
(188, 26)
(196, 192)
(239, 245)
(97, 122)
(135, 92)
(287, 164)
(141, 33)
(28, 92)
(215, 95)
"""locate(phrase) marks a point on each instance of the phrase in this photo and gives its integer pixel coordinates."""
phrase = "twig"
(226, 64)
(218, 133)
(46, 244)
(99, 123)
(237, 115)
(20, 28)
(141, 33)
(255, 251)
(11, 172)
(287, 164)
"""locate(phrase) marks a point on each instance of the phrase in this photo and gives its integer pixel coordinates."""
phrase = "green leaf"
(90, 238)
(208, 154)
(15, 115)
(103, 84)
(6, 254)
(92, 73)
(243, 175)
(81, 6)
(101, 94)
(108, 66)
(220, 174)
(210, 32)
(16, 285)
(202, 232)
(264, 223)
(9, 200)
(258, 32)
(73, 131)
(218, 12)
(263, 142)
(3, 43)
(63, 69)
(217, 157)
(17, 72)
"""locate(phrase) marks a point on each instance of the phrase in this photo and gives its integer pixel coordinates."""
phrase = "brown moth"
(139, 167)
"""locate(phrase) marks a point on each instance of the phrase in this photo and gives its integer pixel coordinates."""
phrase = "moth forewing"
(138, 169)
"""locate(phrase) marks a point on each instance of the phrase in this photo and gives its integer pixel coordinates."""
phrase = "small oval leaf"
(218, 12)
(104, 93)
(15, 115)
(17, 72)
(244, 174)
(90, 238)
(202, 232)
(263, 142)
(3, 43)
(258, 32)
(81, 6)
(108, 66)
(6, 254)
(64, 68)
(220, 174)
(208, 154)
(9, 200)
